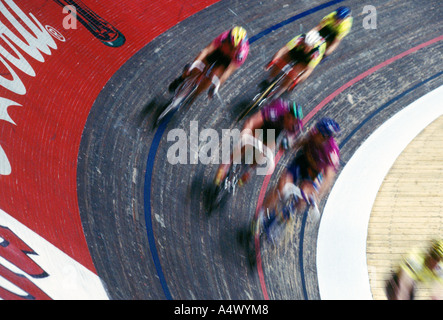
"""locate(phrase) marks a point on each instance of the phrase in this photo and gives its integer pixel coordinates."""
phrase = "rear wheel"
(275, 223)
(228, 186)
(184, 94)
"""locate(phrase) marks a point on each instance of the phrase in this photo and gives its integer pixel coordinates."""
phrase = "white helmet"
(312, 38)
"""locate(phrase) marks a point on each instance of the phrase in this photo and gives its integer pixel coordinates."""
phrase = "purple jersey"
(274, 117)
(275, 111)
(325, 155)
(328, 154)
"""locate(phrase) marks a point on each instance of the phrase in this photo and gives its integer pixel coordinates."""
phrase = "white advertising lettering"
(32, 268)
(36, 42)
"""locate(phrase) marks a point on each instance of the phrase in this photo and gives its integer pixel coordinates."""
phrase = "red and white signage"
(51, 71)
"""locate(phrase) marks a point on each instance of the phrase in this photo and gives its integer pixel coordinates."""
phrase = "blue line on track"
(375, 112)
(156, 142)
(147, 203)
(372, 115)
(292, 19)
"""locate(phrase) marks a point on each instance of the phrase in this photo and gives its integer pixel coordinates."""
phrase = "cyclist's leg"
(237, 156)
(213, 81)
(221, 173)
(277, 66)
(189, 70)
(406, 287)
(222, 70)
(289, 81)
(219, 63)
(270, 216)
(330, 36)
(274, 69)
(246, 176)
(175, 83)
(274, 196)
(294, 75)
(296, 171)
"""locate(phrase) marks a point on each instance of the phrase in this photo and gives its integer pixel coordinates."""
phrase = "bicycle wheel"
(169, 107)
(229, 185)
(264, 96)
(277, 90)
(185, 93)
(278, 222)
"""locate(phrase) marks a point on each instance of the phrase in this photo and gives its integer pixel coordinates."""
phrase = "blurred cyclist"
(334, 27)
(305, 50)
(314, 166)
(419, 266)
(282, 116)
(229, 50)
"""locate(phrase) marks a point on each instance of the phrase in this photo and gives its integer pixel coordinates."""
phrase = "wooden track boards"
(408, 209)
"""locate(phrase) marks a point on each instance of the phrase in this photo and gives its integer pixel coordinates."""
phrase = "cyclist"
(229, 50)
(334, 27)
(419, 266)
(282, 116)
(314, 166)
(305, 50)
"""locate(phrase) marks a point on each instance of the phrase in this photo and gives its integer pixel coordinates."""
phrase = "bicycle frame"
(186, 92)
(194, 83)
(229, 183)
(272, 91)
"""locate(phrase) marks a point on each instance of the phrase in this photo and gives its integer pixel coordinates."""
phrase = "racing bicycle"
(241, 164)
(269, 227)
(187, 91)
(271, 92)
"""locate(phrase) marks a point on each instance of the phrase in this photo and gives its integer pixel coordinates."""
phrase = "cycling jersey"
(275, 111)
(273, 116)
(330, 31)
(414, 266)
(325, 155)
(238, 56)
(296, 52)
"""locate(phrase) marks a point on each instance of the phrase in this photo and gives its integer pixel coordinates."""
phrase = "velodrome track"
(99, 188)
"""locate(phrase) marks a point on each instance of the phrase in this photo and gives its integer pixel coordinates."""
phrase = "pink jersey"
(275, 111)
(328, 154)
(239, 55)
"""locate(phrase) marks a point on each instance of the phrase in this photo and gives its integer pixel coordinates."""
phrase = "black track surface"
(199, 255)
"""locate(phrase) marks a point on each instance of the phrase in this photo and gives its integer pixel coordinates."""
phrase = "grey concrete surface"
(199, 255)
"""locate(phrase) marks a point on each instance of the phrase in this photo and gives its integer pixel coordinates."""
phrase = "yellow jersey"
(414, 266)
(315, 57)
(340, 30)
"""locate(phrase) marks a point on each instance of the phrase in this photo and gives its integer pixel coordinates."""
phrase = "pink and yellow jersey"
(239, 55)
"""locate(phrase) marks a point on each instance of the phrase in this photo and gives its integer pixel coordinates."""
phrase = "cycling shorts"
(219, 58)
(299, 169)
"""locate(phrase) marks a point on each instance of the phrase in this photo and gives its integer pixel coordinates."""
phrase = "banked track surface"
(195, 256)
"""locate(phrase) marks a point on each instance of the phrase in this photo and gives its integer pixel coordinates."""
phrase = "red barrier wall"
(47, 87)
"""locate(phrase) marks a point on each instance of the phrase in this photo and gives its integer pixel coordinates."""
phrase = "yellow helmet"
(437, 248)
(237, 35)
